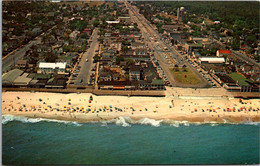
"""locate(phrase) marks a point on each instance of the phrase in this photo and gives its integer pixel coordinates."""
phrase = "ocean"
(123, 141)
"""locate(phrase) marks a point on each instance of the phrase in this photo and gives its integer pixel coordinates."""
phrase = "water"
(38, 141)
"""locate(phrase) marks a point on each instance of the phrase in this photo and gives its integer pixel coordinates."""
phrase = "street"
(18, 54)
(86, 62)
(11, 59)
(156, 43)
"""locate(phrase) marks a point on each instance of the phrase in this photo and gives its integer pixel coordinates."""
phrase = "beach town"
(88, 65)
(86, 107)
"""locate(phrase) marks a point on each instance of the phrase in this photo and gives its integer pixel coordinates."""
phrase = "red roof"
(224, 51)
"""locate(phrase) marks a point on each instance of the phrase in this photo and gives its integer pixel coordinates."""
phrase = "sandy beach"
(83, 108)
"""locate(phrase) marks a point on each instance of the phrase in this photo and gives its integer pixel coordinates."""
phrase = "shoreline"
(76, 107)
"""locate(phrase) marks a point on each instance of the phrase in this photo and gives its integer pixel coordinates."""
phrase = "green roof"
(12, 75)
(240, 78)
(41, 76)
(158, 82)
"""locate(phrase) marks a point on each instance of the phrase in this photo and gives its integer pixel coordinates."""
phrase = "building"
(16, 78)
(212, 60)
(221, 53)
(228, 83)
(21, 64)
(189, 47)
(134, 73)
(126, 20)
(48, 68)
(9, 77)
(112, 22)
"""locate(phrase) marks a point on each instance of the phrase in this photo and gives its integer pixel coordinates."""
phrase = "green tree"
(50, 57)
(235, 45)
(96, 23)
(119, 59)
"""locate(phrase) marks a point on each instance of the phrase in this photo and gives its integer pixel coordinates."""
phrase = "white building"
(212, 60)
(48, 68)
(112, 22)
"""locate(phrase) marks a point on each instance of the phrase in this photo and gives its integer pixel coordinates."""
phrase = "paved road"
(149, 33)
(239, 54)
(245, 58)
(86, 66)
(10, 60)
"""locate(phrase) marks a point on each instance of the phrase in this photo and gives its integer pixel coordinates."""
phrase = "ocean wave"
(148, 121)
(124, 121)
(9, 118)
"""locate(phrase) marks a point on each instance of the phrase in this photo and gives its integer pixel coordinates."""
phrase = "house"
(223, 53)
(36, 31)
(213, 69)
(137, 58)
(126, 20)
(172, 28)
(134, 73)
(21, 64)
(140, 51)
(189, 47)
(73, 35)
(45, 67)
(135, 45)
(56, 82)
(105, 76)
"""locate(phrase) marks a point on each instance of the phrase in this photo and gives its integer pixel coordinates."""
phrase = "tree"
(130, 62)
(50, 57)
(96, 23)
(176, 67)
(119, 59)
(235, 45)
(96, 58)
(125, 49)
(184, 68)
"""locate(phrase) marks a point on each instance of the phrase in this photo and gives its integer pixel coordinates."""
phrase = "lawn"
(240, 78)
(185, 77)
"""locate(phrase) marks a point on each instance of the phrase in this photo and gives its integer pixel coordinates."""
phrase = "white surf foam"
(9, 118)
(122, 122)
(148, 121)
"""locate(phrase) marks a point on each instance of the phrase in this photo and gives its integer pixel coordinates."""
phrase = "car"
(81, 81)
(86, 60)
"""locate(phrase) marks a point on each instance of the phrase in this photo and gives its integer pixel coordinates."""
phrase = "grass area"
(185, 77)
(240, 78)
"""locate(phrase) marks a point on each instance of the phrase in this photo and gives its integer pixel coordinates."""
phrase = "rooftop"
(212, 59)
(60, 65)
(224, 51)
(10, 76)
